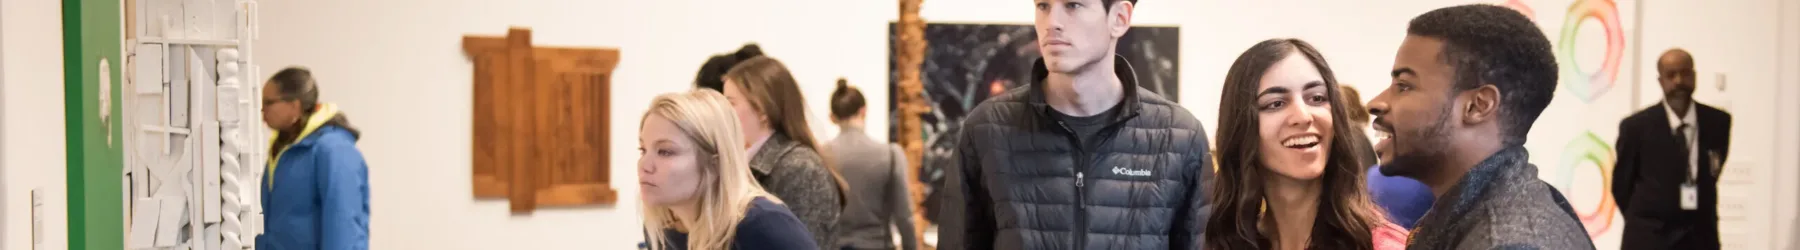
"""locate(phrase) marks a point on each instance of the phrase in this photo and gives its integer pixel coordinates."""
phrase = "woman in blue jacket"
(316, 187)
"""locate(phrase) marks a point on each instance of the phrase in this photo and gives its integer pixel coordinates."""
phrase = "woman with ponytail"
(316, 188)
(876, 172)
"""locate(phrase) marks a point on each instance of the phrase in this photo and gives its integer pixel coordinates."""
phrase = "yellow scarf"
(323, 112)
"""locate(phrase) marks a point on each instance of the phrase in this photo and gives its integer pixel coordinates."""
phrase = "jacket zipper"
(1081, 162)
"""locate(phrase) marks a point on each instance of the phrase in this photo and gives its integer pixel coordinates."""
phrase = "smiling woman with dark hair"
(1290, 173)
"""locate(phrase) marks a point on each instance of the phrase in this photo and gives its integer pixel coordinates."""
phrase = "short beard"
(1428, 156)
(1685, 98)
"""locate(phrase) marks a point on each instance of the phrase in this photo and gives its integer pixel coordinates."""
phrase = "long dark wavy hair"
(1346, 215)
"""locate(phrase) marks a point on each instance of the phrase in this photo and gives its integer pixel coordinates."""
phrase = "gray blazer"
(878, 194)
(797, 174)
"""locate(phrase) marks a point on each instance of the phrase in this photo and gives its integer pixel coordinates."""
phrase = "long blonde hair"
(726, 186)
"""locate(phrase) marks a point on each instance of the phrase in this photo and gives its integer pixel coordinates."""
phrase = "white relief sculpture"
(192, 136)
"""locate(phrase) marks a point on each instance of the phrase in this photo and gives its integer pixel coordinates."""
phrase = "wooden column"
(910, 54)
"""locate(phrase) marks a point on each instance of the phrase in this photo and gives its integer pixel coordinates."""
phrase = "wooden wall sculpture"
(540, 122)
(911, 55)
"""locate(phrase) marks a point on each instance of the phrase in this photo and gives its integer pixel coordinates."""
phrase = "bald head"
(1675, 58)
(1675, 70)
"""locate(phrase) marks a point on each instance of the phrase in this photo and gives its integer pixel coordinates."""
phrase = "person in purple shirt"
(1405, 199)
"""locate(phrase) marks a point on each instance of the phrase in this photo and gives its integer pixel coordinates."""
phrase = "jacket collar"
(321, 114)
(1675, 120)
(1127, 76)
(771, 152)
(1504, 168)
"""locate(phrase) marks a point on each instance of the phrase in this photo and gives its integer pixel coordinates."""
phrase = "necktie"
(1681, 138)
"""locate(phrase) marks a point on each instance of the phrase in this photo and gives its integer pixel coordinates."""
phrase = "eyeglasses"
(269, 102)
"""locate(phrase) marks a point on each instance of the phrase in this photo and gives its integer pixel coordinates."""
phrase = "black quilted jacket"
(1023, 183)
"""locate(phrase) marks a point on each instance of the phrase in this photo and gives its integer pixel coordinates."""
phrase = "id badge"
(1690, 197)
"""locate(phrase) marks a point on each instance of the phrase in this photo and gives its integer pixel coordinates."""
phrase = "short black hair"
(713, 71)
(1489, 44)
(1107, 4)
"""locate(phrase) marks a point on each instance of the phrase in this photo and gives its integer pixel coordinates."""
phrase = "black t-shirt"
(1087, 129)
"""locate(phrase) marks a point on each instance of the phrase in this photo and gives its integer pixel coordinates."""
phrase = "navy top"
(766, 225)
(1405, 199)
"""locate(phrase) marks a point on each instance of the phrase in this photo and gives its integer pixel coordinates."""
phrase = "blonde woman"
(696, 184)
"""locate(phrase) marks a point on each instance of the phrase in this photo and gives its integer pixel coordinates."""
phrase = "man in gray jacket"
(1468, 83)
(1082, 158)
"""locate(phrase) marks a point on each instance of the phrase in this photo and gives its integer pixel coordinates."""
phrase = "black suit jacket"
(1648, 176)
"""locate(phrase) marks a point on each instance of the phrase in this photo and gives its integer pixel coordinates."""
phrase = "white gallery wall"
(31, 123)
(1787, 128)
(398, 70)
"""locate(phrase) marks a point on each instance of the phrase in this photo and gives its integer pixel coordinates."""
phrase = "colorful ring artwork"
(1520, 6)
(1589, 148)
(1595, 84)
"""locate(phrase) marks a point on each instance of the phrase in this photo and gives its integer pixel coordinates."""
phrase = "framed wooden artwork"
(540, 122)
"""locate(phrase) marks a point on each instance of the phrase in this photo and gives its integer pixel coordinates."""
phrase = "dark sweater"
(766, 225)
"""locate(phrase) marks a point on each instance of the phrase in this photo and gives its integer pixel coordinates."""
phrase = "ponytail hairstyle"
(296, 83)
(846, 102)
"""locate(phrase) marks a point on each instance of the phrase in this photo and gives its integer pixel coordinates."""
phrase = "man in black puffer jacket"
(1082, 158)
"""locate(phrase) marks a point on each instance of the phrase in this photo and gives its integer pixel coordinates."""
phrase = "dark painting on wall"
(967, 63)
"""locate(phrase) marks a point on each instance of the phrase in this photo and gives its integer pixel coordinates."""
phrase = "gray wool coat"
(797, 174)
(1501, 204)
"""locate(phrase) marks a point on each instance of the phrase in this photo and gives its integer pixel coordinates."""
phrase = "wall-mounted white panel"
(209, 178)
(149, 68)
(198, 18)
(169, 224)
(143, 223)
(178, 86)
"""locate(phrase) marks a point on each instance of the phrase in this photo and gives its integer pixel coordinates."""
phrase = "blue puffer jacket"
(316, 191)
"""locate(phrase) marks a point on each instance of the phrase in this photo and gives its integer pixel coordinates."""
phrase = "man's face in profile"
(1414, 114)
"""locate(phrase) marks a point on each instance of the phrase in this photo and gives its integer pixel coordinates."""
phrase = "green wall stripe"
(91, 31)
